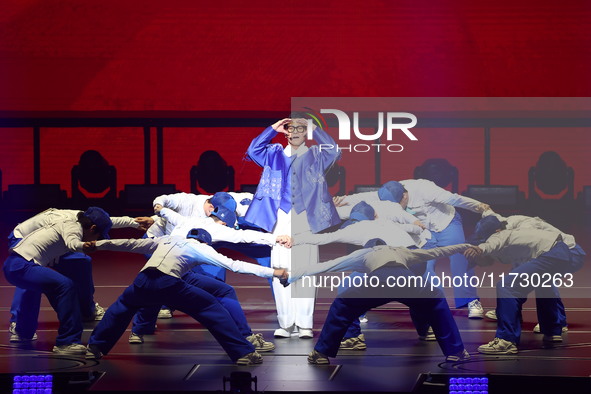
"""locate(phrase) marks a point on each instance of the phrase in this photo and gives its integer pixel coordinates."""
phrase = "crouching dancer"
(159, 282)
(428, 306)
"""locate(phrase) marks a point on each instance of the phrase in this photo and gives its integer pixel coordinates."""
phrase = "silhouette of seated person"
(93, 178)
(439, 171)
(211, 174)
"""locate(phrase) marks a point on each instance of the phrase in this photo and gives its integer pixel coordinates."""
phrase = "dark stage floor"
(182, 356)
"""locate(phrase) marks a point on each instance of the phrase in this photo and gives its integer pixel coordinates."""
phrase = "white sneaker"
(498, 346)
(99, 312)
(74, 349)
(15, 338)
(475, 310)
(306, 333)
(135, 338)
(363, 319)
(164, 314)
(537, 329)
(283, 332)
(492, 314)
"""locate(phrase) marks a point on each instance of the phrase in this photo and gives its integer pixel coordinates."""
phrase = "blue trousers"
(421, 325)
(76, 266)
(154, 288)
(510, 299)
(60, 292)
(145, 320)
(453, 234)
(430, 307)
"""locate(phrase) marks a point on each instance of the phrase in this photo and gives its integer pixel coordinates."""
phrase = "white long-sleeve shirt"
(189, 205)
(49, 242)
(359, 233)
(370, 259)
(53, 215)
(429, 203)
(384, 209)
(520, 245)
(175, 256)
(182, 225)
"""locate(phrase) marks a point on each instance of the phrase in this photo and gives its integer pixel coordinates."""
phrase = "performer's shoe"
(93, 353)
(283, 332)
(357, 343)
(317, 358)
(492, 314)
(552, 338)
(498, 346)
(475, 310)
(429, 336)
(250, 359)
(73, 349)
(305, 333)
(15, 338)
(164, 313)
(260, 345)
(135, 338)
(99, 312)
(461, 356)
(363, 319)
(537, 329)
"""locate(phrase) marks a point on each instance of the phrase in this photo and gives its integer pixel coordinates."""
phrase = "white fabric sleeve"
(210, 256)
(355, 198)
(124, 222)
(172, 201)
(141, 245)
(224, 233)
(409, 257)
(71, 233)
(351, 262)
(393, 211)
(495, 242)
(434, 193)
(172, 217)
(348, 235)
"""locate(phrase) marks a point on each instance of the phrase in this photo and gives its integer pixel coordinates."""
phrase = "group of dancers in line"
(402, 228)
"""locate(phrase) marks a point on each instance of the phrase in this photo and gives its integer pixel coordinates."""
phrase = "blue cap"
(223, 199)
(225, 215)
(484, 229)
(200, 235)
(362, 211)
(374, 242)
(101, 220)
(391, 191)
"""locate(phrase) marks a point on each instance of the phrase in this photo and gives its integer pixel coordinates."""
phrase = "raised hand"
(278, 126)
(339, 201)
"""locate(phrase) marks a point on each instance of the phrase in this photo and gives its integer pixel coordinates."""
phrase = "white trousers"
(295, 304)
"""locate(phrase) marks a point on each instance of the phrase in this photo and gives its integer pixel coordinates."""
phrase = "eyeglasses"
(295, 129)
